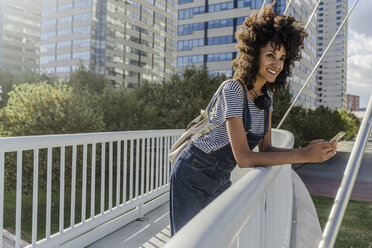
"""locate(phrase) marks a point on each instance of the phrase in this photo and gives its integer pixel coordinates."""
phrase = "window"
(189, 44)
(63, 44)
(219, 57)
(64, 19)
(81, 43)
(220, 23)
(82, 30)
(220, 40)
(84, 4)
(244, 3)
(46, 59)
(64, 56)
(48, 23)
(64, 31)
(47, 47)
(220, 6)
(65, 7)
(82, 17)
(189, 13)
(188, 60)
(82, 55)
(185, 1)
(61, 69)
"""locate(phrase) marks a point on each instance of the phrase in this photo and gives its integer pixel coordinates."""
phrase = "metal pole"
(351, 171)
(312, 14)
(287, 7)
(316, 66)
(262, 6)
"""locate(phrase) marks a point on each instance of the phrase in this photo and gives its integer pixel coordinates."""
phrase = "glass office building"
(128, 41)
(19, 35)
(332, 72)
(206, 37)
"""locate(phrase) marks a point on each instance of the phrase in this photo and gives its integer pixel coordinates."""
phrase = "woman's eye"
(282, 59)
(270, 55)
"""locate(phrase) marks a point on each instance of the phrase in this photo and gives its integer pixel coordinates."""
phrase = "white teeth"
(271, 71)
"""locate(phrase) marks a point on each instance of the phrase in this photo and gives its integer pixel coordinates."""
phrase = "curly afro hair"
(255, 33)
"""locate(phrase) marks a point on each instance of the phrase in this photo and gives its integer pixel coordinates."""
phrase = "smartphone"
(338, 137)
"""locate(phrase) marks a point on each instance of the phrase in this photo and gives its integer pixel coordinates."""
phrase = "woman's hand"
(320, 150)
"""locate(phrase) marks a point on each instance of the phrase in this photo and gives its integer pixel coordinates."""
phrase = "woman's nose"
(278, 64)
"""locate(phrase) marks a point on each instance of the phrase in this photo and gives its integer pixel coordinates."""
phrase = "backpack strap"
(209, 128)
(217, 93)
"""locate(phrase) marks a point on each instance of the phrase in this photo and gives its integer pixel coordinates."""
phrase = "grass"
(356, 227)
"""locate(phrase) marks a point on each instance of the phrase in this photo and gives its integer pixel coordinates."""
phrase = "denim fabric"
(197, 178)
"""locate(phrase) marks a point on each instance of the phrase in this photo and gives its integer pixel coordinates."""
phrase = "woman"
(268, 47)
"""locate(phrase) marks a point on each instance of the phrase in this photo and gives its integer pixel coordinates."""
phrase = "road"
(324, 178)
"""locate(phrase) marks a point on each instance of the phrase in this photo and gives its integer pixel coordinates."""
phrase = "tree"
(84, 81)
(42, 108)
(282, 102)
(7, 82)
(174, 103)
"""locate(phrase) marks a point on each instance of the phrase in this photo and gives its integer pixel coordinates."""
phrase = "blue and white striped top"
(230, 104)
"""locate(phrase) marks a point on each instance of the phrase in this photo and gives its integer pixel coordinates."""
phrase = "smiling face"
(270, 63)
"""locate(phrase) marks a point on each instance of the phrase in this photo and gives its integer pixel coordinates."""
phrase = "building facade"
(128, 41)
(20, 35)
(352, 103)
(206, 38)
(332, 72)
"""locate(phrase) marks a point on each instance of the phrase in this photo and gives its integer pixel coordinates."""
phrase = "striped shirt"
(230, 104)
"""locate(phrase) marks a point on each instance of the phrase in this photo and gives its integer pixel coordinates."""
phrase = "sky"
(359, 54)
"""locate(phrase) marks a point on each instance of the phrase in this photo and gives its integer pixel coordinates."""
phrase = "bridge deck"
(150, 233)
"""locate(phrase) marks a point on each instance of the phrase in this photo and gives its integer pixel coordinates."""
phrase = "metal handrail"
(351, 171)
(225, 219)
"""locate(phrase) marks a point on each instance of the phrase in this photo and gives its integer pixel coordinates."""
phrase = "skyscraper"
(128, 41)
(20, 35)
(331, 75)
(206, 37)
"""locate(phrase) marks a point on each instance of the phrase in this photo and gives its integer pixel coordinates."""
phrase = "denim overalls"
(197, 178)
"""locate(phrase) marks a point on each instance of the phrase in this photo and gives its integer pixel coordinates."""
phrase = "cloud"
(360, 19)
(359, 43)
(359, 68)
(359, 60)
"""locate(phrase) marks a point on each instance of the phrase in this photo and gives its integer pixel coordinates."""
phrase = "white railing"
(87, 180)
(256, 211)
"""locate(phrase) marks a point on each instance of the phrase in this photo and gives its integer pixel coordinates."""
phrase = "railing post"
(2, 165)
(19, 199)
(351, 171)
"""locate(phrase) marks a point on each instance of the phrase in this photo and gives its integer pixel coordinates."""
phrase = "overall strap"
(266, 119)
(246, 113)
